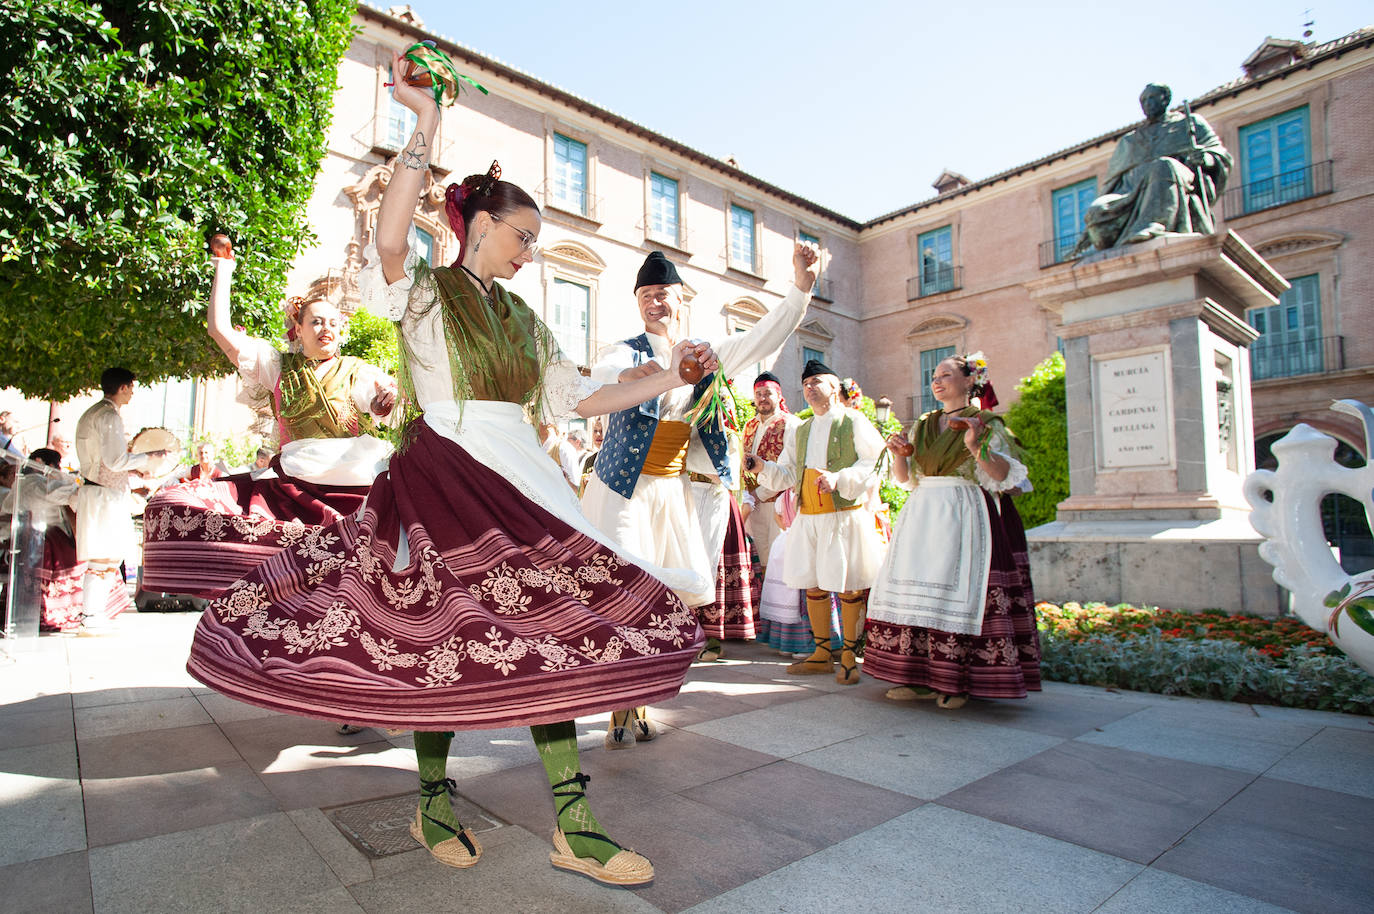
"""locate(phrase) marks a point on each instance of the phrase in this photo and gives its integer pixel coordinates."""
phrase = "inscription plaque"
(1133, 413)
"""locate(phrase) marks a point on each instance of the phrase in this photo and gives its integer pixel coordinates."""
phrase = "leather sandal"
(619, 734)
(462, 850)
(910, 693)
(625, 868)
(812, 666)
(849, 672)
(641, 726)
(951, 702)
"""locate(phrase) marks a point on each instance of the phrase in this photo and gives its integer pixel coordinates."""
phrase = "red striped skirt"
(201, 536)
(737, 591)
(1003, 661)
(502, 614)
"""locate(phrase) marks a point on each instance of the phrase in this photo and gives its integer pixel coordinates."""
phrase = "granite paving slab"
(1222, 734)
(1127, 804)
(1287, 844)
(155, 752)
(926, 755)
(139, 716)
(129, 808)
(257, 864)
(46, 885)
(802, 802)
(935, 860)
(35, 727)
(1334, 759)
(41, 798)
(1052, 712)
(1158, 892)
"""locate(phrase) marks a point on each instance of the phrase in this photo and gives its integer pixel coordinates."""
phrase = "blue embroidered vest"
(629, 432)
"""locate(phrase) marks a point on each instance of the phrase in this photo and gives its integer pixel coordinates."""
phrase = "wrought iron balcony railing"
(1058, 250)
(1289, 187)
(1299, 357)
(934, 279)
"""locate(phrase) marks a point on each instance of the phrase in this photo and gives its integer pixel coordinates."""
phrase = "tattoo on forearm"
(416, 153)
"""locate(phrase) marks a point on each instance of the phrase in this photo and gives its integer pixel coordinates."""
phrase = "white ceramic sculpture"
(1287, 512)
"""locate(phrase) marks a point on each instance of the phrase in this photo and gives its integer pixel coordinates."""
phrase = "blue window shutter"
(1275, 157)
(930, 358)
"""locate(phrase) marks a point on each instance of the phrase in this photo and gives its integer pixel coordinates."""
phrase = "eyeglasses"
(527, 239)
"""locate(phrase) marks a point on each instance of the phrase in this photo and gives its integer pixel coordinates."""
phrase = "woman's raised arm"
(408, 177)
(217, 320)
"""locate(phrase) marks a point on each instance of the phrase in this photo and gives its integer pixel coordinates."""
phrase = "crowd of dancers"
(465, 580)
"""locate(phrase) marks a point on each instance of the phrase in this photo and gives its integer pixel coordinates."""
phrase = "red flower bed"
(1274, 637)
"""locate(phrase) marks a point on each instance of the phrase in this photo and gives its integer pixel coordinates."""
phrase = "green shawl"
(319, 406)
(942, 453)
(498, 350)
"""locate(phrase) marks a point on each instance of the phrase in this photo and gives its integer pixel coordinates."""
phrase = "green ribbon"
(448, 82)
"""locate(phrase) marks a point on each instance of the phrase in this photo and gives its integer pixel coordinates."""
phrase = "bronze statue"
(1164, 177)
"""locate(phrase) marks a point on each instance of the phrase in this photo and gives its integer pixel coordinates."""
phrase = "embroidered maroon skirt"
(201, 536)
(1003, 661)
(737, 591)
(59, 580)
(502, 615)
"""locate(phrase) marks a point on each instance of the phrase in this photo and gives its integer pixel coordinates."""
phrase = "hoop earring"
(478, 246)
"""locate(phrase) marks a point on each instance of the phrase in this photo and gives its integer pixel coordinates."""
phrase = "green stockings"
(557, 745)
(438, 821)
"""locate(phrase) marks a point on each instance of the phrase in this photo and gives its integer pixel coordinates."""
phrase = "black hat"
(657, 270)
(766, 377)
(815, 367)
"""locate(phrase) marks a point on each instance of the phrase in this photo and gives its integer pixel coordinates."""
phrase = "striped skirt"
(737, 591)
(1003, 660)
(453, 601)
(201, 536)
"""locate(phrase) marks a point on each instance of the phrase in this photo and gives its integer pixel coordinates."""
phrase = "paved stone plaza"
(128, 788)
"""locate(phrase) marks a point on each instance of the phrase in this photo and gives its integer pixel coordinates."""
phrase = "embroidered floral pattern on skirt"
(1003, 661)
(501, 616)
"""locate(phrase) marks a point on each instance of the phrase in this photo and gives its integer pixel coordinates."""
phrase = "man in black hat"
(833, 546)
(640, 491)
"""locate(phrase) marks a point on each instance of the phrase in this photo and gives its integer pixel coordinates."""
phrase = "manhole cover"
(381, 828)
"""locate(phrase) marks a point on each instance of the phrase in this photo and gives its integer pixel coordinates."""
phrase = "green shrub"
(1306, 678)
(372, 339)
(1039, 423)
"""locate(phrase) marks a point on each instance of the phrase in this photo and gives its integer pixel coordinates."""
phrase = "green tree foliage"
(373, 339)
(133, 131)
(1039, 423)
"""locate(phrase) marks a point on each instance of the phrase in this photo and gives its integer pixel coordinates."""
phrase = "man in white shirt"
(833, 546)
(640, 492)
(104, 524)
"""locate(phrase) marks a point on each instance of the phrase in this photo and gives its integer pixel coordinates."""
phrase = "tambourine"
(157, 438)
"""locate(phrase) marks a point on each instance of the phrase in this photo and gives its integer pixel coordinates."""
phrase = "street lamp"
(882, 409)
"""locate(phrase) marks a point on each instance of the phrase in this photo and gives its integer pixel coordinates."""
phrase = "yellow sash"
(813, 500)
(668, 450)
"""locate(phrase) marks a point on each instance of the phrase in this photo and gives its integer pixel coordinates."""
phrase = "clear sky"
(859, 105)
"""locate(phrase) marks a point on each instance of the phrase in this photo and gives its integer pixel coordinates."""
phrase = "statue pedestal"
(1160, 427)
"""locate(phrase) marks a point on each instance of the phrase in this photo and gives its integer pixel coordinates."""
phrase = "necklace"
(486, 293)
(950, 412)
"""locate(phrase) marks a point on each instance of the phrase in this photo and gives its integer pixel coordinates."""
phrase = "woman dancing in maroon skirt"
(952, 614)
(470, 593)
(201, 536)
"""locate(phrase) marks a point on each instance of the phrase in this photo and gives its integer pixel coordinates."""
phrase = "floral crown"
(978, 367)
(849, 389)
